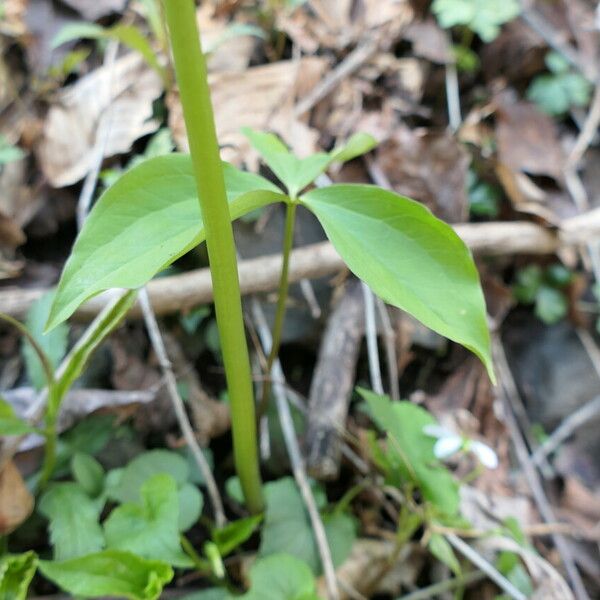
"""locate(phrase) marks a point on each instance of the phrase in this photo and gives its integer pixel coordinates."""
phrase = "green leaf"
(442, 550)
(128, 35)
(410, 452)
(359, 144)
(528, 283)
(287, 527)
(149, 529)
(74, 363)
(409, 258)
(88, 473)
(16, 573)
(484, 17)
(73, 515)
(191, 502)
(295, 173)
(143, 467)
(110, 573)
(54, 343)
(234, 534)
(551, 305)
(281, 577)
(10, 423)
(139, 226)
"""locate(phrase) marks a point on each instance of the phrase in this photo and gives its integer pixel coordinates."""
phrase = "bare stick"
(565, 429)
(371, 335)
(186, 429)
(437, 589)
(296, 460)
(389, 337)
(485, 566)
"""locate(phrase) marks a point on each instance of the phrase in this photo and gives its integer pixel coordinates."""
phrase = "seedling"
(151, 216)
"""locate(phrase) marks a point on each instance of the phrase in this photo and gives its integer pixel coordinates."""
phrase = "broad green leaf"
(143, 467)
(74, 521)
(88, 473)
(529, 280)
(234, 534)
(551, 305)
(139, 226)
(151, 528)
(287, 527)
(442, 550)
(128, 35)
(408, 257)
(191, 502)
(409, 451)
(10, 423)
(556, 93)
(281, 577)
(74, 363)
(54, 343)
(16, 573)
(357, 145)
(484, 17)
(110, 573)
(295, 173)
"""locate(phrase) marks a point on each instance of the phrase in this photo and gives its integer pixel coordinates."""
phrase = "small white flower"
(449, 443)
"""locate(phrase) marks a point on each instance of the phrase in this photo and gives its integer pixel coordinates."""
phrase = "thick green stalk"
(190, 69)
(284, 286)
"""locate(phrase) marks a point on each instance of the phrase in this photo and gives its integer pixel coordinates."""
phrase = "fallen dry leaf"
(94, 9)
(428, 167)
(111, 106)
(429, 41)
(16, 502)
(261, 97)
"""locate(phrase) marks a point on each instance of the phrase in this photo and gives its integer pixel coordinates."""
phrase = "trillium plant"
(165, 206)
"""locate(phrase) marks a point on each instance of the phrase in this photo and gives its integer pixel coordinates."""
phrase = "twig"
(287, 427)
(389, 337)
(485, 566)
(530, 472)
(371, 335)
(453, 94)
(184, 423)
(435, 590)
(565, 429)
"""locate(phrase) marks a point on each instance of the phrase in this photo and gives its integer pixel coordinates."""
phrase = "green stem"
(190, 69)
(51, 434)
(284, 286)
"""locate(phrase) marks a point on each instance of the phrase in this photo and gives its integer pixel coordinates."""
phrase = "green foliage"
(126, 484)
(544, 288)
(151, 528)
(128, 35)
(408, 257)
(408, 457)
(484, 198)
(16, 573)
(287, 527)
(484, 17)
(10, 423)
(73, 516)
(234, 534)
(561, 89)
(443, 551)
(144, 222)
(109, 573)
(8, 152)
(88, 473)
(54, 343)
(297, 173)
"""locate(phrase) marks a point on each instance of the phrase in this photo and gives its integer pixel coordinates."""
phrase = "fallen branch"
(183, 292)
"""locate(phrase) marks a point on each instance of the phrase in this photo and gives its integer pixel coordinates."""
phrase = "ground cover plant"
(156, 489)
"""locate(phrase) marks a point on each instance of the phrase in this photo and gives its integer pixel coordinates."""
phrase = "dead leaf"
(429, 41)
(113, 105)
(261, 97)
(428, 167)
(94, 9)
(527, 139)
(16, 502)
